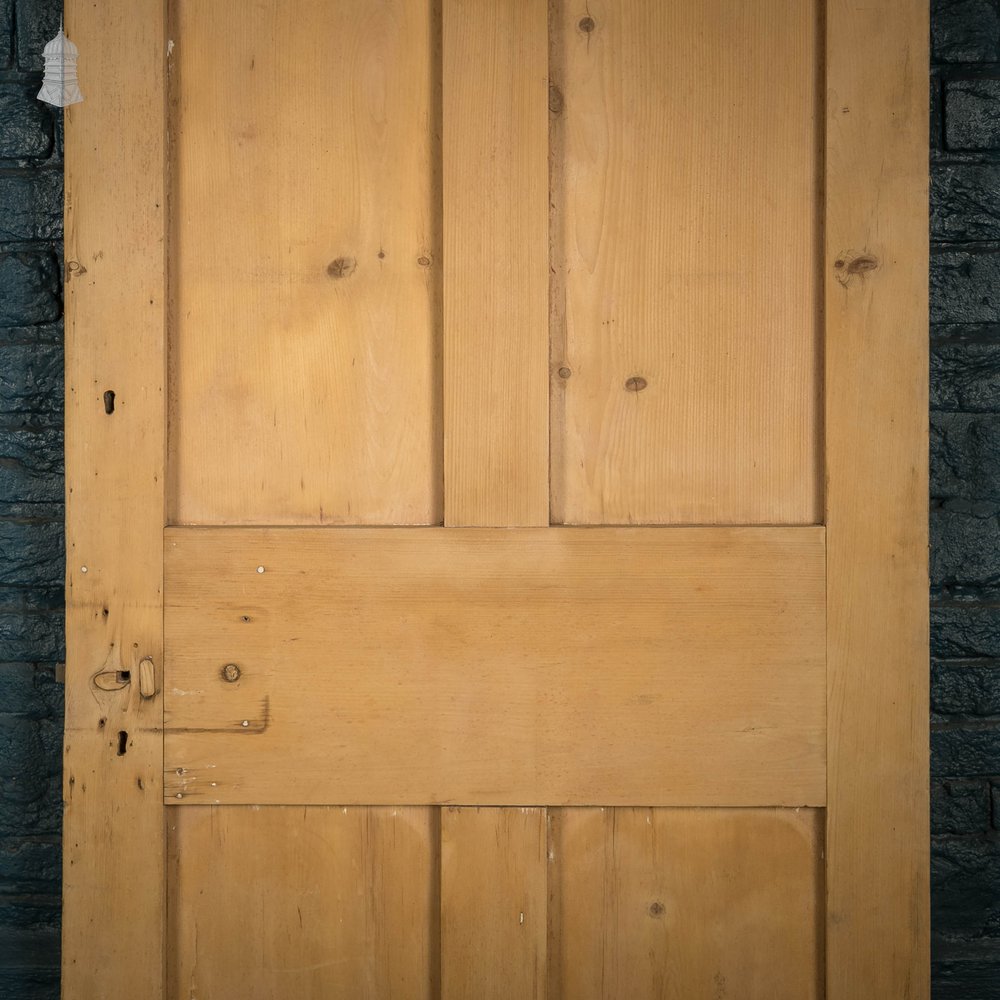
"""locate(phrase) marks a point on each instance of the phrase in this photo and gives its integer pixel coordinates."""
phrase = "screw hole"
(109, 402)
(122, 742)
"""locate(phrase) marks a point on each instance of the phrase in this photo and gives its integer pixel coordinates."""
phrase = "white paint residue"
(170, 48)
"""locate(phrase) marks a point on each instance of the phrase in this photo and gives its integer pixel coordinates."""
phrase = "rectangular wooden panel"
(876, 420)
(528, 666)
(687, 903)
(318, 903)
(304, 267)
(113, 895)
(495, 168)
(493, 904)
(686, 207)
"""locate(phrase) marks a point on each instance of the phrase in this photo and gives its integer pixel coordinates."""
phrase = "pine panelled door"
(496, 449)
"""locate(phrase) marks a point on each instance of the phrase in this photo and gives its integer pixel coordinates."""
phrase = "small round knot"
(587, 24)
(564, 372)
(231, 672)
(636, 383)
(657, 909)
(424, 260)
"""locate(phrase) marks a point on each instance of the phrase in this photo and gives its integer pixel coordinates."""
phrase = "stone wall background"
(31, 507)
(965, 501)
(965, 498)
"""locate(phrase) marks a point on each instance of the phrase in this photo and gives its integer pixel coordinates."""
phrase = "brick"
(964, 751)
(30, 866)
(31, 552)
(31, 626)
(30, 690)
(24, 769)
(31, 466)
(31, 205)
(972, 114)
(965, 287)
(27, 131)
(964, 31)
(965, 456)
(6, 34)
(37, 22)
(30, 280)
(965, 887)
(41, 817)
(39, 984)
(964, 204)
(965, 543)
(31, 381)
(965, 631)
(35, 915)
(43, 333)
(30, 945)
(960, 807)
(936, 123)
(964, 377)
(966, 688)
(967, 979)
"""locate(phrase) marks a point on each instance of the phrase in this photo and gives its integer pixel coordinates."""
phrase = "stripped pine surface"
(495, 167)
(305, 265)
(276, 901)
(493, 903)
(113, 877)
(876, 430)
(512, 267)
(686, 324)
(682, 903)
(533, 666)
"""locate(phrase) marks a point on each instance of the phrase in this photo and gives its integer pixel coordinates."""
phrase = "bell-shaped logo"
(59, 85)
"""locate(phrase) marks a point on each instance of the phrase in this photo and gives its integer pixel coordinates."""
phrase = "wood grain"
(686, 320)
(113, 877)
(876, 428)
(523, 667)
(687, 904)
(495, 169)
(305, 265)
(313, 903)
(493, 904)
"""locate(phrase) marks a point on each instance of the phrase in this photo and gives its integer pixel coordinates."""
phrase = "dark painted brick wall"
(31, 507)
(965, 498)
(965, 491)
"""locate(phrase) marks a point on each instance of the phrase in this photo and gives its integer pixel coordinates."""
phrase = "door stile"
(113, 834)
(496, 419)
(876, 439)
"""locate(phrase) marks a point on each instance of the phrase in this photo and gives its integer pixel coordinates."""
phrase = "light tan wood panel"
(493, 904)
(305, 264)
(523, 667)
(685, 380)
(495, 166)
(113, 897)
(876, 418)
(321, 903)
(687, 904)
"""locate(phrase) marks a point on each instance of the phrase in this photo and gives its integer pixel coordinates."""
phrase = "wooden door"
(496, 482)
